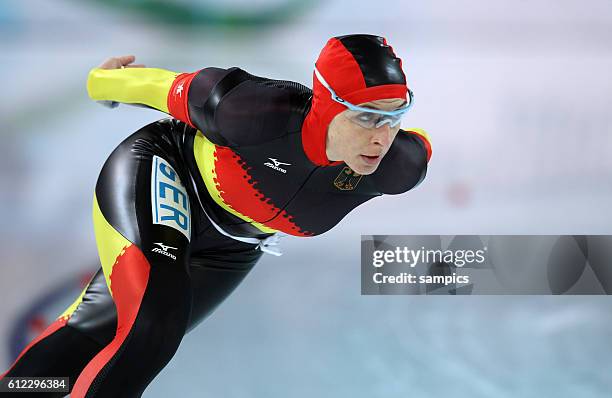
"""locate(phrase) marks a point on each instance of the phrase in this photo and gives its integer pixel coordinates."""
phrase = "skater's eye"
(367, 117)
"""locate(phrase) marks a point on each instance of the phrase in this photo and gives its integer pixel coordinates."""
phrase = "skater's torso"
(266, 182)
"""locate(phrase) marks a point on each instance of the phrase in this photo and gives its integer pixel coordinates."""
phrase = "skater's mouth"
(371, 159)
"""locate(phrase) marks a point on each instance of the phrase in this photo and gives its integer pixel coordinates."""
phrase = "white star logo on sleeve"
(179, 90)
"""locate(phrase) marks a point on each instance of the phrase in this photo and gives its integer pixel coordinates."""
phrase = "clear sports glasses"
(367, 117)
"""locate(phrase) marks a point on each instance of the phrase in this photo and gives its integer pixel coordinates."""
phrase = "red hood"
(343, 73)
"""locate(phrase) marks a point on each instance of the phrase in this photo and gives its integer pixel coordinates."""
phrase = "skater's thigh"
(215, 275)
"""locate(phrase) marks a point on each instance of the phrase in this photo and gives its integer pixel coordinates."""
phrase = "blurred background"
(515, 96)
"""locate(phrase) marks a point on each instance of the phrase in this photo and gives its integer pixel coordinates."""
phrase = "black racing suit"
(183, 209)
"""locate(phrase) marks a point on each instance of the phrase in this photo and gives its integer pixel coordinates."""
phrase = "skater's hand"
(124, 61)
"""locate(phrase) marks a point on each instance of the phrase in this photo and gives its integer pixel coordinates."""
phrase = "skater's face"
(361, 148)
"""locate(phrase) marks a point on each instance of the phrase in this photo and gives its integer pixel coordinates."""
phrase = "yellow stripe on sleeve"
(147, 86)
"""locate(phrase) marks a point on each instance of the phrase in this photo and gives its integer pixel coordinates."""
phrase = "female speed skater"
(184, 207)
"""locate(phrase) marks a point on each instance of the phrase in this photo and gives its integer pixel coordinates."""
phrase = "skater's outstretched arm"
(229, 106)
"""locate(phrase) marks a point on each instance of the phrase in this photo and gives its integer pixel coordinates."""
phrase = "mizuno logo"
(276, 165)
(163, 249)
